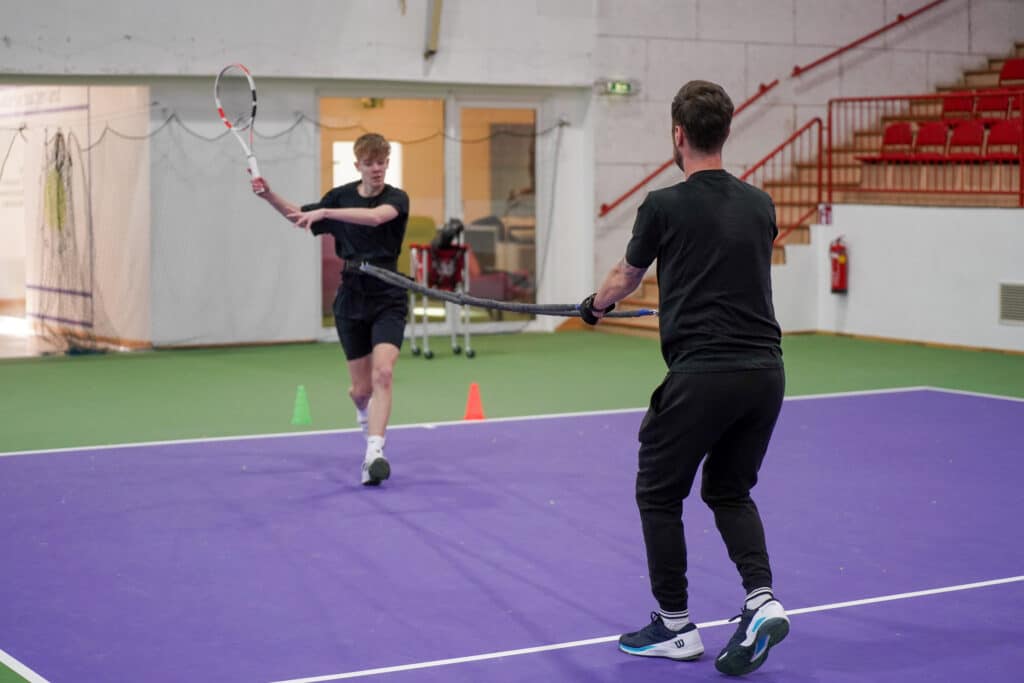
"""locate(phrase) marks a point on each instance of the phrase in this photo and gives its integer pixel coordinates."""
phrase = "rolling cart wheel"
(456, 349)
(470, 353)
(428, 354)
(415, 351)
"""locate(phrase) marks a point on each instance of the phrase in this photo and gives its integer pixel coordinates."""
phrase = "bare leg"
(360, 371)
(384, 357)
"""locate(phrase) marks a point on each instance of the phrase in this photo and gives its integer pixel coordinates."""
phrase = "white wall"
(743, 43)
(12, 210)
(921, 274)
(481, 41)
(795, 289)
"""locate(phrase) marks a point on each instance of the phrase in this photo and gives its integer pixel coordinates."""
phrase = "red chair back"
(1012, 72)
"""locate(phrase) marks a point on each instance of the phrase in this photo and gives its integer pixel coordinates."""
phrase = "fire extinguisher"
(840, 266)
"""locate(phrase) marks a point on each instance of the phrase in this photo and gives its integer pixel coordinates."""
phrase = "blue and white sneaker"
(759, 630)
(658, 640)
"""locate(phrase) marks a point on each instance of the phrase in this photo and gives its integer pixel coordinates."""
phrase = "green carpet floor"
(62, 401)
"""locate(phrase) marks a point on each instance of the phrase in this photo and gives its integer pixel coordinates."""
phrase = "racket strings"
(236, 98)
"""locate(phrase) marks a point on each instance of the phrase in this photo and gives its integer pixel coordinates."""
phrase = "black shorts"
(363, 321)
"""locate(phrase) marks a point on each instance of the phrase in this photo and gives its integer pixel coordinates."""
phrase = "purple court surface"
(892, 521)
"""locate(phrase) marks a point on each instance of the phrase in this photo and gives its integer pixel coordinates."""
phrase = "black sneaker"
(658, 640)
(759, 630)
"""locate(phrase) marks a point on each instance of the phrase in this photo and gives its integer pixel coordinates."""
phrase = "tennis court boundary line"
(978, 394)
(17, 667)
(364, 673)
(451, 423)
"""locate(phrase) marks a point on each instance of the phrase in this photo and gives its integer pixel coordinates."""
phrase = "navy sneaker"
(658, 640)
(759, 630)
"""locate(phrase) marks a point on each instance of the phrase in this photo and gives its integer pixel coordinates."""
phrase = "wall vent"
(1011, 302)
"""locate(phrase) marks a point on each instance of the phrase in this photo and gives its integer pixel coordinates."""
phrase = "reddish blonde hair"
(371, 146)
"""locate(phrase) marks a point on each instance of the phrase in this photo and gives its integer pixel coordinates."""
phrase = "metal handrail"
(900, 19)
(768, 157)
(786, 229)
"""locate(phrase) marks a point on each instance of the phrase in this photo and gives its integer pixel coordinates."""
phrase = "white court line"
(963, 392)
(20, 669)
(607, 639)
(427, 425)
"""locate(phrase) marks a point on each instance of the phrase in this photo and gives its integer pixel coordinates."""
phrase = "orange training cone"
(474, 408)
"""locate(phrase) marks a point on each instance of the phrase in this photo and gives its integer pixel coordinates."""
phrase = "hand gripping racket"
(235, 95)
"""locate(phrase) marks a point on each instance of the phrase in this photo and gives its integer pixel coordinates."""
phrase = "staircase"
(846, 178)
(848, 172)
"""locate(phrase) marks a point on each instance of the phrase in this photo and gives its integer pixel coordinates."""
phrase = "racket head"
(235, 94)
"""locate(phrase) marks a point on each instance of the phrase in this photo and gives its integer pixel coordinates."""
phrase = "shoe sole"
(657, 652)
(379, 470)
(742, 660)
(668, 651)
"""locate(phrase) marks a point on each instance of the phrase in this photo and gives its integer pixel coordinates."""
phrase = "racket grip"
(254, 169)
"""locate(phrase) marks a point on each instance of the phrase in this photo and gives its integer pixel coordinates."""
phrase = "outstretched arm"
(280, 204)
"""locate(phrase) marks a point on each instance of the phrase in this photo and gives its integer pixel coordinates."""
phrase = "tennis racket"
(235, 94)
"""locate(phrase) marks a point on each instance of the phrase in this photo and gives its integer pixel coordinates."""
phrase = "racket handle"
(254, 169)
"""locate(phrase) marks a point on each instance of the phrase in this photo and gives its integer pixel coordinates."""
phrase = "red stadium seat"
(897, 144)
(965, 143)
(958, 106)
(1012, 72)
(1005, 141)
(993, 107)
(930, 144)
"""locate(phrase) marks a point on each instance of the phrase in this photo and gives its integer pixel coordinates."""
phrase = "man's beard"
(678, 157)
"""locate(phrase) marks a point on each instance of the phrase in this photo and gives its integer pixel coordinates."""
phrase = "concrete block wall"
(743, 43)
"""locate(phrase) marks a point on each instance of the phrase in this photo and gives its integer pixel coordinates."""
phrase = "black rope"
(463, 299)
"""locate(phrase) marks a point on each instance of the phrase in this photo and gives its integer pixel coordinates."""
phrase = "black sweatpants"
(728, 416)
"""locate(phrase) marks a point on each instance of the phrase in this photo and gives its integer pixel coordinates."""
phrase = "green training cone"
(300, 415)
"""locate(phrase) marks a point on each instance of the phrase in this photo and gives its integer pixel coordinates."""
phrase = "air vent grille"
(1011, 302)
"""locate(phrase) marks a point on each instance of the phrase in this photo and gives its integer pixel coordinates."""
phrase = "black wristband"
(587, 310)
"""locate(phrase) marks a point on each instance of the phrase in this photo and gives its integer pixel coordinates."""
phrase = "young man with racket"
(367, 219)
(712, 236)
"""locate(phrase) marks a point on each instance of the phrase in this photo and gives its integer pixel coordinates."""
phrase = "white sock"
(675, 621)
(374, 447)
(758, 597)
(363, 414)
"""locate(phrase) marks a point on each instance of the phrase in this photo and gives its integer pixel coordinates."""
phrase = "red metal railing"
(606, 208)
(900, 19)
(792, 174)
(797, 71)
(956, 144)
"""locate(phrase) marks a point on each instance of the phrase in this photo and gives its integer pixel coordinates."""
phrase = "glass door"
(498, 200)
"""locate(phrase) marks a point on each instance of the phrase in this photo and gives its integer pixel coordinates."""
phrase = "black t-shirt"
(712, 236)
(377, 244)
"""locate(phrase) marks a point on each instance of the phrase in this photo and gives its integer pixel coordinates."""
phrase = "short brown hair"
(704, 111)
(371, 146)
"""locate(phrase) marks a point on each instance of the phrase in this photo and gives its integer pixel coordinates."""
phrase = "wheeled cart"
(447, 269)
